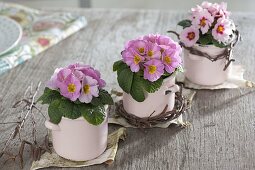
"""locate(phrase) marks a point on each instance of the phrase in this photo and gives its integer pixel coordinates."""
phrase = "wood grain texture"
(222, 134)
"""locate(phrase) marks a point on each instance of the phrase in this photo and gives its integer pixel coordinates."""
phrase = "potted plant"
(208, 38)
(146, 73)
(77, 111)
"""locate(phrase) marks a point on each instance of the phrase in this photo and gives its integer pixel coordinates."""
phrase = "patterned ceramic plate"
(10, 34)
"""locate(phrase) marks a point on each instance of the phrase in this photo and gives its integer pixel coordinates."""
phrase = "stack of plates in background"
(10, 34)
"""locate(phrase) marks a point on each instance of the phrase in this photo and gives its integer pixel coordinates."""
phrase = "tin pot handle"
(173, 89)
(51, 126)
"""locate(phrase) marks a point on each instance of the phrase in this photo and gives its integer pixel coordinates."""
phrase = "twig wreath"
(181, 105)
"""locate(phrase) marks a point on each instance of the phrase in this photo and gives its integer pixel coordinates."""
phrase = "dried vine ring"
(181, 105)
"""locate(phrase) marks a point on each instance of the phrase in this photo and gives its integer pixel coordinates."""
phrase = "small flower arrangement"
(145, 63)
(75, 91)
(208, 24)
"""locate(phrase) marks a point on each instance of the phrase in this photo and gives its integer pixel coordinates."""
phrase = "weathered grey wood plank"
(222, 134)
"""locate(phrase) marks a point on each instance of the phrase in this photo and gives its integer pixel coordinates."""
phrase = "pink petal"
(85, 98)
(135, 67)
(94, 90)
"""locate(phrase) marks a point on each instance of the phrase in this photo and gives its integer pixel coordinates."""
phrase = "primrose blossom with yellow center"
(89, 89)
(145, 55)
(70, 87)
(77, 82)
(132, 59)
(171, 60)
(154, 69)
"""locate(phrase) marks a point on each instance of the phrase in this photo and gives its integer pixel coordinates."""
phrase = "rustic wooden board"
(222, 134)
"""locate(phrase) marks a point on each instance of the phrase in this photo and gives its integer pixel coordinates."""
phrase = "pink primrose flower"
(154, 69)
(132, 59)
(171, 60)
(189, 36)
(70, 87)
(203, 20)
(222, 30)
(89, 89)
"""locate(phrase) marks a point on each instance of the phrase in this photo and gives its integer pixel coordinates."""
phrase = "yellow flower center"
(141, 50)
(152, 69)
(203, 22)
(86, 89)
(137, 59)
(150, 53)
(220, 29)
(191, 35)
(71, 88)
(168, 59)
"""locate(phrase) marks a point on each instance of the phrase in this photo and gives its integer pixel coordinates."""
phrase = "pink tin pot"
(77, 139)
(156, 101)
(201, 70)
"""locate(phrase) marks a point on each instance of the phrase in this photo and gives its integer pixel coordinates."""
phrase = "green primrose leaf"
(218, 44)
(96, 101)
(93, 114)
(125, 79)
(77, 102)
(137, 91)
(185, 23)
(117, 64)
(68, 109)
(49, 96)
(105, 97)
(54, 113)
(152, 87)
(121, 67)
(205, 39)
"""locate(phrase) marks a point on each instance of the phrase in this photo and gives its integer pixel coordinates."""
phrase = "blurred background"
(233, 5)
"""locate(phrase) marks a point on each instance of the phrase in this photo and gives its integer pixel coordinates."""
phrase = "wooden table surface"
(222, 134)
